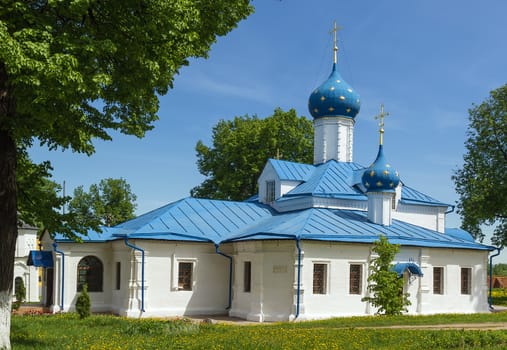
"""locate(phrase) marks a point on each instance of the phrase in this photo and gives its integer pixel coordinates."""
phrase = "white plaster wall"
(271, 296)
(209, 293)
(74, 252)
(268, 174)
(432, 218)
(333, 139)
(26, 241)
(337, 301)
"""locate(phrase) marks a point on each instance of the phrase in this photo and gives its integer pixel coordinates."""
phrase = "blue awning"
(40, 258)
(413, 268)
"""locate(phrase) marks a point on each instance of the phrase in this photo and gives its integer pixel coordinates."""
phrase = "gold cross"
(335, 47)
(381, 117)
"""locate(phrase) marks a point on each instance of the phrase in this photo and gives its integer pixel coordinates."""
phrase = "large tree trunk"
(8, 211)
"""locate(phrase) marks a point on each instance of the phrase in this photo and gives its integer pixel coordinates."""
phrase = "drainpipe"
(142, 269)
(490, 299)
(299, 278)
(62, 280)
(230, 274)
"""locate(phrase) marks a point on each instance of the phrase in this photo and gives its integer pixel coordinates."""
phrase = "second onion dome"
(380, 176)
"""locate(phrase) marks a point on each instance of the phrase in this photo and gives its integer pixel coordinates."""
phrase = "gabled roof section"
(349, 226)
(291, 171)
(189, 219)
(412, 196)
(331, 179)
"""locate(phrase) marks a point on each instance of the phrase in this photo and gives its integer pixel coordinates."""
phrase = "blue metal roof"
(348, 226)
(291, 171)
(40, 258)
(330, 179)
(413, 268)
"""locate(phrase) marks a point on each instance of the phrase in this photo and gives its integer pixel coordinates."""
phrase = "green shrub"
(83, 304)
(19, 292)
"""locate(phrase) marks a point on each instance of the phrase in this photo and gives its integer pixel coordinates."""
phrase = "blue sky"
(427, 61)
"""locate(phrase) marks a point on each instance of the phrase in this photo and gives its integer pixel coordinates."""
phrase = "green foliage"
(499, 270)
(108, 203)
(83, 304)
(241, 148)
(384, 284)
(481, 182)
(19, 293)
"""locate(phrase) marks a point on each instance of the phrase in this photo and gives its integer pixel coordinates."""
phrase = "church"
(300, 249)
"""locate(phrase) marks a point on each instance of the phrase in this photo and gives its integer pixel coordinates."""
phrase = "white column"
(333, 139)
(380, 207)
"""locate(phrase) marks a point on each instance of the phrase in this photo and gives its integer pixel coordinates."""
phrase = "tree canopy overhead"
(481, 182)
(108, 203)
(241, 148)
(73, 70)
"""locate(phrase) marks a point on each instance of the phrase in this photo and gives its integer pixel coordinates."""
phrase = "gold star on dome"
(348, 110)
(386, 172)
(379, 183)
(388, 165)
(367, 184)
(331, 109)
(316, 110)
(338, 81)
(322, 98)
(349, 90)
(396, 173)
(372, 173)
(331, 88)
(391, 184)
(342, 98)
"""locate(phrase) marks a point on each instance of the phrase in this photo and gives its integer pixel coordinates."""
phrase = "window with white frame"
(438, 280)
(355, 276)
(466, 280)
(185, 272)
(270, 191)
(319, 278)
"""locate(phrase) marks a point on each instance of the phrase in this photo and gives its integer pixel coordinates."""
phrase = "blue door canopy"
(412, 268)
(40, 258)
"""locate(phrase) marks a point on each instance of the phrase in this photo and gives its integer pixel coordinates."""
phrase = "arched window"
(89, 271)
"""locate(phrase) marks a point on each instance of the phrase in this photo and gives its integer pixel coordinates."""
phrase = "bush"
(83, 304)
(19, 292)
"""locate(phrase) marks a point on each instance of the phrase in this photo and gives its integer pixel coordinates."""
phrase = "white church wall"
(268, 174)
(210, 274)
(272, 277)
(451, 300)
(336, 301)
(429, 217)
(74, 252)
(26, 241)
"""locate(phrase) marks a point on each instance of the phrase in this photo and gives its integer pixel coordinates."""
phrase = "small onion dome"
(334, 98)
(380, 177)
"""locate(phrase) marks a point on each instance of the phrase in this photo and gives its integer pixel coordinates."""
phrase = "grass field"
(67, 331)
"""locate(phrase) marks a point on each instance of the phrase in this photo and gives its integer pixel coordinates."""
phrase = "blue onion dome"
(334, 98)
(380, 176)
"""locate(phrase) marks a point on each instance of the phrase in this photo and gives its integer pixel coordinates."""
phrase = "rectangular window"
(319, 278)
(247, 276)
(355, 279)
(185, 275)
(118, 275)
(466, 280)
(438, 280)
(270, 191)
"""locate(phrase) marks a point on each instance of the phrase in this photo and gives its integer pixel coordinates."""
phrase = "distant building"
(29, 275)
(299, 250)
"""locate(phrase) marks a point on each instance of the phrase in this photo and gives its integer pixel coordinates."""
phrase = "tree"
(108, 203)
(499, 270)
(383, 281)
(83, 303)
(481, 183)
(241, 148)
(73, 70)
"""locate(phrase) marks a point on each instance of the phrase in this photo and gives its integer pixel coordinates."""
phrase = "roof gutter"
(450, 210)
(62, 279)
(490, 297)
(230, 274)
(126, 239)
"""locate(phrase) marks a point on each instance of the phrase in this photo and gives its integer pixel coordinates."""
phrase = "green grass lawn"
(67, 331)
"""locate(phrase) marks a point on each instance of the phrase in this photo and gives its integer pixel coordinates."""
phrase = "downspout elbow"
(217, 250)
(62, 280)
(128, 244)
